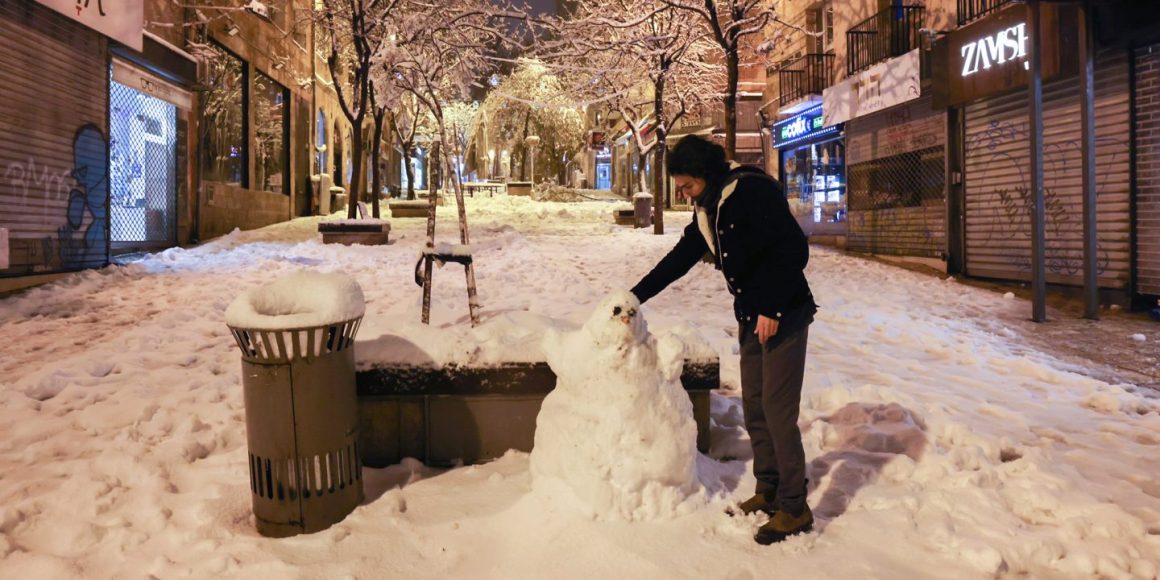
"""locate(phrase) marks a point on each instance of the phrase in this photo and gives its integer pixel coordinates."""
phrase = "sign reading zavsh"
(993, 55)
(1001, 48)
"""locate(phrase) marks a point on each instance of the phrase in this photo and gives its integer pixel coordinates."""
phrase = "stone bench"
(521, 188)
(409, 208)
(446, 415)
(347, 232)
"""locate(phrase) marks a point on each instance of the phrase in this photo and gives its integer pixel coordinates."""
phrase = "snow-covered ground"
(940, 444)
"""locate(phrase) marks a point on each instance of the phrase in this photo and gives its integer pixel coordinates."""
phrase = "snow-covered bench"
(471, 414)
(369, 232)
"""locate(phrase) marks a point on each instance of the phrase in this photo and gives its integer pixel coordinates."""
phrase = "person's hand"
(766, 328)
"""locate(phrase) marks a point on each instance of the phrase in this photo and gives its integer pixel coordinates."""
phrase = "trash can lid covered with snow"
(271, 322)
(298, 380)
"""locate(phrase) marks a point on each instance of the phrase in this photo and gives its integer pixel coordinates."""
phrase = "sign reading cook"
(992, 56)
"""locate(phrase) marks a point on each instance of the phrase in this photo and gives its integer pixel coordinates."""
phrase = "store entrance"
(143, 170)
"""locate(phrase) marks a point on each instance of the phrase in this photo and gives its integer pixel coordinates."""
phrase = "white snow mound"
(298, 300)
(618, 429)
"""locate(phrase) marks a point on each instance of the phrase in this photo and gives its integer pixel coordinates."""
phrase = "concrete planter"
(443, 415)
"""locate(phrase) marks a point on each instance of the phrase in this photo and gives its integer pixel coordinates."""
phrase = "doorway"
(143, 170)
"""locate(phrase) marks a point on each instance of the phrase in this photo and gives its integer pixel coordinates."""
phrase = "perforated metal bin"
(301, 426)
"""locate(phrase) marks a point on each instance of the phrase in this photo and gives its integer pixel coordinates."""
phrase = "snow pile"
(298, 300)
(618, 429)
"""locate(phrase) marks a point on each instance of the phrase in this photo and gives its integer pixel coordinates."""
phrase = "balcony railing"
(808, 75)
(970, 10)
(890, 33)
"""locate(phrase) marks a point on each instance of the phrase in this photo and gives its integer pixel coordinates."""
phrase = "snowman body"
(618, 429)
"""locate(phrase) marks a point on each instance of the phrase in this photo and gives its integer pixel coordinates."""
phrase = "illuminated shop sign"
(1004, 46)
(807, 125)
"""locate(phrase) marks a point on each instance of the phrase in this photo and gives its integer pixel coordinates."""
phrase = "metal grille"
(908, 180)
(143, 161)
(898, 204)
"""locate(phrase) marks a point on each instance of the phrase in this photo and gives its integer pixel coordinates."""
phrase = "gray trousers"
(771, 391)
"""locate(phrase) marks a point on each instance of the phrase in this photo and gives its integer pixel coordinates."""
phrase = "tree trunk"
(376, 161)
(524, 142)
(731, 58)
(435, 169)
(408, 158)
(357, 166)
(659, 154)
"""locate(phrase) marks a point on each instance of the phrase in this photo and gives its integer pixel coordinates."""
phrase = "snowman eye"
(616, 311)
(632, 312)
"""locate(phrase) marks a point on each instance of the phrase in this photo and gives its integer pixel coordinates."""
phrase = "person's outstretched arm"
(675, 264)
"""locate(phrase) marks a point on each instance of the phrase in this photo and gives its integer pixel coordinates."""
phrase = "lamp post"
(532, 141)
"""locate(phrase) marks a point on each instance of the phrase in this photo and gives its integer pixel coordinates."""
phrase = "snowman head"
(617, 320)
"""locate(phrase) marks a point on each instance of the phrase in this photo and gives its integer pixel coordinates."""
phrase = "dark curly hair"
(697, 157)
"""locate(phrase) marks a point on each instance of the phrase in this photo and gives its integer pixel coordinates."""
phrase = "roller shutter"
(998, 182)
(53, 141)
(896, 178)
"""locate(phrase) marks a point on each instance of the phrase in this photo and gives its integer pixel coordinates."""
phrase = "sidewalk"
(1102, 349)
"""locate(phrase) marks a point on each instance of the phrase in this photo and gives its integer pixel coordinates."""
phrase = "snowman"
(617, 432)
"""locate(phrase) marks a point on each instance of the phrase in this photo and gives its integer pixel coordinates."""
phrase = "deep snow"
(940, 443)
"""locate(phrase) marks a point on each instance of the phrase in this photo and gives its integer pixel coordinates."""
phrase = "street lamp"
(532, 141)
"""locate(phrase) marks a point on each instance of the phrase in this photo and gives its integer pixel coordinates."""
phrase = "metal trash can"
(642, 210)
(301, 426)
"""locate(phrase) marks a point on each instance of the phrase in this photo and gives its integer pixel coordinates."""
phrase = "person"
(743, 220)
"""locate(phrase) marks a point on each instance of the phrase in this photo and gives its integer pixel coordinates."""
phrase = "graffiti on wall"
(81, 238)
(88, 200)
(1011, 216)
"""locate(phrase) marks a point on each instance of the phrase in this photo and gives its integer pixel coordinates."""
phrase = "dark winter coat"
(745, 223)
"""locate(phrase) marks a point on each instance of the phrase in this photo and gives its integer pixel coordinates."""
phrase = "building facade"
(137, 138)
(902, 130)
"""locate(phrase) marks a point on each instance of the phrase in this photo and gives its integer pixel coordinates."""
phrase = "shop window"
(814, 181)
(271, 124)
(224, 127)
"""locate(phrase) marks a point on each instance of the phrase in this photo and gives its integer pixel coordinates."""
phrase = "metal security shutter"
(1148, 170)
(53, 141)
(998, 182)
(896, 179)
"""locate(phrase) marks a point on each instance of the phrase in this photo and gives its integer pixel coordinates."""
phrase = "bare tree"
(533, 99)
(645, 60)
(729, 22)
(411, 122)
(434, 52)
(355, 29)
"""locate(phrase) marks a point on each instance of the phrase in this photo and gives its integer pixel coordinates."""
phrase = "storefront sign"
(879, 87)
(800, 127)
(144, 82)
(1005, 47)
(911, 128)
(993, 56)
(121, 20)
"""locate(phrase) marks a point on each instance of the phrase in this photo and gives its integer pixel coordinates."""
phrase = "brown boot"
(783, 525)
(762, 502)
